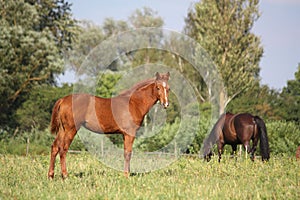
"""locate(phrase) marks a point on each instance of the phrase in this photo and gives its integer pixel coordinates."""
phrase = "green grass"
(188, 178)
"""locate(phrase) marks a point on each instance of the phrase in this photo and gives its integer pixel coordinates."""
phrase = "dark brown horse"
(238, 129)
(122, 114)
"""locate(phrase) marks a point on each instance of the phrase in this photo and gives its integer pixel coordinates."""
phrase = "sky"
(278, 27)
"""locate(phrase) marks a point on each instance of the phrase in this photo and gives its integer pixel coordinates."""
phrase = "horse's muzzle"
(166, 105)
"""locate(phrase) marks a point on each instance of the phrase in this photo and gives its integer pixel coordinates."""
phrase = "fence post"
(102, 147)
(27, 147)
(175, 149)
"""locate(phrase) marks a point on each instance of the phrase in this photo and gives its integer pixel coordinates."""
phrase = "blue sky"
(278, 27)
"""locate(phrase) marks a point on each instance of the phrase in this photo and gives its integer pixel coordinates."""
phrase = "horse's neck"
(218, 127)
(144, 99)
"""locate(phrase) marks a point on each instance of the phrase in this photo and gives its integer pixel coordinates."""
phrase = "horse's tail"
(264, 143)
(55, 120)
(213, 137)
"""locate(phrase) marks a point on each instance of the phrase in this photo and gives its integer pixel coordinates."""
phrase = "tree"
(290, 99)
(34, 35)
(90, 36)
(223, 29)
(36, 111)
(260, 100)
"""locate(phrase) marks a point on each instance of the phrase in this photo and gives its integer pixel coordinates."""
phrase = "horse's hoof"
(50, 176)
(126, 174)
(64, 176)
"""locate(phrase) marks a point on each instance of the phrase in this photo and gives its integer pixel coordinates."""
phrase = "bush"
(184, 136)
(34, 142)
(284, 137)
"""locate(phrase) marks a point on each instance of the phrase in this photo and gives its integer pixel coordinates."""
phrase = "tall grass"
(25, 177)
(188, 178)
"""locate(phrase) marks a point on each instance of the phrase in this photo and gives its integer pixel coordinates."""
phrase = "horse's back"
(238, 127)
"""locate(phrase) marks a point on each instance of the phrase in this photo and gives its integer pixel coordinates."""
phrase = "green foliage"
(35, 142)
(179, 136)
(33, 36)
(106, 86)
(284, 137)
(90, 36)
(223, 29)
(56, 16)
(269, 103)
(145, 17)
(260, 100)
(290, 99)
(25, 178)
(32, 142)
(93, 35)
(35, 112)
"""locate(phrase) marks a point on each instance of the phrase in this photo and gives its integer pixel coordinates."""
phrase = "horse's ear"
(168, 75)
(157, 76)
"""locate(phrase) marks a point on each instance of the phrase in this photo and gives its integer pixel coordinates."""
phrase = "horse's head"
(207, 155)
(162, 88)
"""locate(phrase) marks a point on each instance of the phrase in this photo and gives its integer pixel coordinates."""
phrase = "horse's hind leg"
(247, 148)
(54, 151)
(253, 149)
(63, 149)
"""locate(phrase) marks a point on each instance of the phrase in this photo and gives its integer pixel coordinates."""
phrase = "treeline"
(39, 40)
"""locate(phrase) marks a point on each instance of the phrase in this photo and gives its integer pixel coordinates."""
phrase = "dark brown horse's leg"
(128, 142)
(54, 151)
(253, 149)
(247, 148)
(234, 148)
(220, 150)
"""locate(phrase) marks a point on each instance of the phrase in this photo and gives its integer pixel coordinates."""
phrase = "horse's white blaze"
(165, 91)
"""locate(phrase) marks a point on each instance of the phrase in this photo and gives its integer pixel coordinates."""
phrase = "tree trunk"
(222, 101)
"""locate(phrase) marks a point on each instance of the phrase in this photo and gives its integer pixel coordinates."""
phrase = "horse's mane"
(137, 86)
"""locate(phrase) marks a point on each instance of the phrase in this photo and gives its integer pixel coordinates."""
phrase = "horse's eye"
(158, 88)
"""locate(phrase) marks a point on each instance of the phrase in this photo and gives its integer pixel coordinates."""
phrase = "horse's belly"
(99, 126)
(231, 139)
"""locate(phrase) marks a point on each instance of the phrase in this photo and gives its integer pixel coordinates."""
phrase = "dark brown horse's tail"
(264, 143)
(55, 121)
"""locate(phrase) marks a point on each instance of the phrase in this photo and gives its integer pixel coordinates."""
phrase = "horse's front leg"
(220, 150)
(234, 148)
(128, 142)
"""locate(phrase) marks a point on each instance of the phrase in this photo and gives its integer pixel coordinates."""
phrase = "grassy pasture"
(187, 178)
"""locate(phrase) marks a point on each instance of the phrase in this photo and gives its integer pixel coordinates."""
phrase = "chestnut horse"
(122, 114)
(238, 129)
